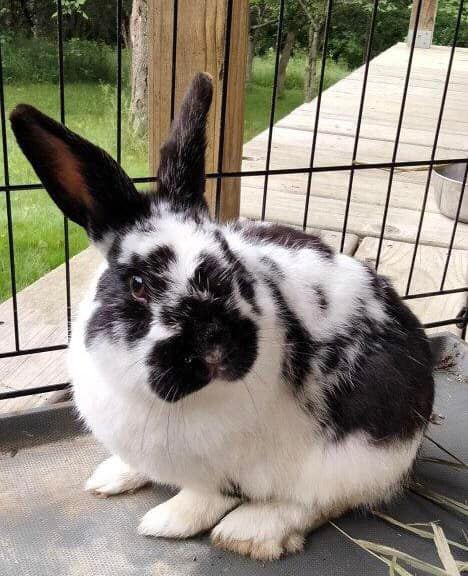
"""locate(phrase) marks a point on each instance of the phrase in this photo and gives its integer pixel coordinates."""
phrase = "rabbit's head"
(174, 309)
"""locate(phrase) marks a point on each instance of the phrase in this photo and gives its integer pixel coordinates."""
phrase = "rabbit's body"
(267, 436)
(247, 364)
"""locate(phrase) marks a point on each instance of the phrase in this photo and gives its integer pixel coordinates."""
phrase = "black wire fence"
(7, 188)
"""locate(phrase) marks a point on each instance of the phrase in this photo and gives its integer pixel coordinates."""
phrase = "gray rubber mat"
(49, 526)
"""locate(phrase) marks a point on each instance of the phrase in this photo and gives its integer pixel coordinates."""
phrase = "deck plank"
(42, 322)
(364, 219)
(395, 263)
(369, 187)
(292, 139)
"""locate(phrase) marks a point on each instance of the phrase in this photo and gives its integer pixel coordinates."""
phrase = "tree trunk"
(311, 68)
(250, 48)
(125, 32)
(27, 16)
(284, 59)
(250, 57)
(139, 39)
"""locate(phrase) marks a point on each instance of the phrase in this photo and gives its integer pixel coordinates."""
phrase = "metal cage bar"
(436, 142)
(62, 120)
(6, 172)
(118, 136)
(454, 229)
(398, 134)
(370, 40)
(274, 92)
(318, 106)
(222, 128)
(175, 21)
(281, 171)
(352, 167)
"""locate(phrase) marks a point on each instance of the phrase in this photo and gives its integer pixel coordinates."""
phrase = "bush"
(35, 61)
(445, 24)
(349, 33)
(264, 68)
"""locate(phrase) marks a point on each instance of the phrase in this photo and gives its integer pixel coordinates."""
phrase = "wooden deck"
(292, 139)
(42, 305)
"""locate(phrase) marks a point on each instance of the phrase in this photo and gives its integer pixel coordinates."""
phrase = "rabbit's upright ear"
(83, 180)
(182, 166)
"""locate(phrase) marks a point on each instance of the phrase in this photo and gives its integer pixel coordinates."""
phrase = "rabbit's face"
(168, 297)
(166, 309)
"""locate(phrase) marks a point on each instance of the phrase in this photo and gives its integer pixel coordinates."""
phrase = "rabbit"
(275, 383)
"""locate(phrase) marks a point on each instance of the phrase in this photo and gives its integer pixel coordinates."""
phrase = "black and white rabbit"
(276, 383)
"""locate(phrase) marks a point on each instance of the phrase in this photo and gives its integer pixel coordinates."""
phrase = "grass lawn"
(91, 111)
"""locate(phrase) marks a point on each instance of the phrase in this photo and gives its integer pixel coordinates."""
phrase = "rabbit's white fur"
(254, 431)
(275, 383)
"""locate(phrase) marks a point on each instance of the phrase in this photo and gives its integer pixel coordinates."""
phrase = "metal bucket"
(447, 182)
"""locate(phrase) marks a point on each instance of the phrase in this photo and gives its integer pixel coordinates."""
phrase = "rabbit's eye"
(137, 286)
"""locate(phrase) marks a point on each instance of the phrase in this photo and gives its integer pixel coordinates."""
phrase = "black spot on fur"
(388, 393)
(273, 267)
(232, 489)
(386, 387)
(115, 249)
(286, 237)
(154, 269)
(160, 258)
(179, 364)
(244, 278)
(322, 299)
(211, 277)
(299, 345)
(118, 315)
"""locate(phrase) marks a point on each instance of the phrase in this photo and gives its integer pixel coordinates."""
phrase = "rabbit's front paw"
(185, 515)
(262, 531)
(113, 477)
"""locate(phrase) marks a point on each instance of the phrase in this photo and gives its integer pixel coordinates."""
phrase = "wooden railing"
(186, 37)
(426, 17)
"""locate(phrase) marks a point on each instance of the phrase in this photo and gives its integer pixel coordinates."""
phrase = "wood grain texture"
(364, 219)
(292, 139)
(42, 322)
(427, 14)
(201, 35)
(395, 263)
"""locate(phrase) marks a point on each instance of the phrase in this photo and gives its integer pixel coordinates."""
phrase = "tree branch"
(256, 26)
(315, 21)
(306, 10)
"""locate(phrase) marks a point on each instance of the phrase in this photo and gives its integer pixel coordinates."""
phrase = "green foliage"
(263, 70)
(94, 20)
(447, 13)
(349, 25)
(84, 61)
(84, 19)
(72, 8)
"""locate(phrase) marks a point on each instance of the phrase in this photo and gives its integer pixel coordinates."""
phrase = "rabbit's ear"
(182, 166)
(83, 180)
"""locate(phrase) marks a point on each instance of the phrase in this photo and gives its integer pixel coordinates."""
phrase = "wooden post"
(426, 23)
(201, 33)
